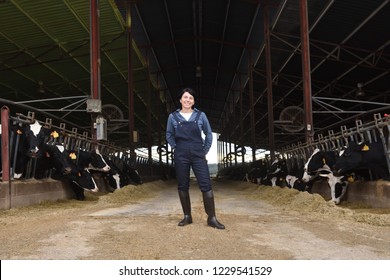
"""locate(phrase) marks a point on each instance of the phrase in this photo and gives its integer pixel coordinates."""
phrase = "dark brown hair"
(189, 90)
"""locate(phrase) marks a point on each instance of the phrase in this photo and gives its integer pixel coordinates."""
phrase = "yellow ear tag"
(72, 156)
(365, 148)
(351, 179)
(19, 131)
(54, 134)
(323, 160)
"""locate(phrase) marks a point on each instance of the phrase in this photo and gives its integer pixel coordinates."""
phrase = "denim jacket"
(203, 123)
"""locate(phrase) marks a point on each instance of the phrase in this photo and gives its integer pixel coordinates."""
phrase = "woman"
(184, 135)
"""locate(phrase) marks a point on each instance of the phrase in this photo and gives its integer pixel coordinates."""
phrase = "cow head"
(309, 172)
(132, 173)
(83, 179)
(351, 157)
(37, 135)
(54, 154)
(294, 182)
(97, 162)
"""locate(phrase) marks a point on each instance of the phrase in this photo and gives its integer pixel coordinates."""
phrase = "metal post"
(130, 75)
(269, 84)
(241, 116)
(252, 107)
(149, 109)
(5, 158)
(94, 57)
(309, 132)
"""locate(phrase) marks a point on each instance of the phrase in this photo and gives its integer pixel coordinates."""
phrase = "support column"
(306, 77)
(271, 139)
(5, 158)
(130, 92)
(252, 107)
(94, 57)
(241, 116)
(149, 106)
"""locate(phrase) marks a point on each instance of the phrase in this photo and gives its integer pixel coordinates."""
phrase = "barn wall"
(28, 192)
(373, 193)
(31, 191)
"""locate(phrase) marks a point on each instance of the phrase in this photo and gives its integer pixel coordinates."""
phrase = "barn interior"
(268, 73)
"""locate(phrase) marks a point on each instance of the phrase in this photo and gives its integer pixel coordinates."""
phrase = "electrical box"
(135, 136)
(94, 106)
(101, 128)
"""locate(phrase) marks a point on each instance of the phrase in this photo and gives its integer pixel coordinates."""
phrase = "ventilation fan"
(292, 119)
(114, 117)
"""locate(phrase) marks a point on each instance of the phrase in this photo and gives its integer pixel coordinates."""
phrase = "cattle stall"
(38, 182)
(363, 184)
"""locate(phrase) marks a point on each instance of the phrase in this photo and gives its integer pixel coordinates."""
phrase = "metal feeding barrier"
(71, 139)
(377, 130)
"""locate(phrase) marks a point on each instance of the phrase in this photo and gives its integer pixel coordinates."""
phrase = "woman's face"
(187, 101)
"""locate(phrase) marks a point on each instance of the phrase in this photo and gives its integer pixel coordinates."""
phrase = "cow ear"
(54, 134)
(365, 148)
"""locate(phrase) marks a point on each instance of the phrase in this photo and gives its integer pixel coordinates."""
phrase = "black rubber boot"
(209, 206)
(186, 205)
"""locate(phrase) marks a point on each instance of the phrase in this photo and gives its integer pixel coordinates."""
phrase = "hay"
(132, 193)
(304, 202)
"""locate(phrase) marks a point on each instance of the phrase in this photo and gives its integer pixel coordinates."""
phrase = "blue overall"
(189, 152)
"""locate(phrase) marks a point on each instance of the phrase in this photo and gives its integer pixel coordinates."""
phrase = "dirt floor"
(140, 223)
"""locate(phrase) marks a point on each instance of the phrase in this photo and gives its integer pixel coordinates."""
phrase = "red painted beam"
(5, 143)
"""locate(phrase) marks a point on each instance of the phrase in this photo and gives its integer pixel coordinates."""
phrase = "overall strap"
(175, 116)
(197, 116)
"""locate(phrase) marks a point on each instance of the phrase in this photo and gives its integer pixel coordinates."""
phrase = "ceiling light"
(41, 87)
(198, 73)
(360, 92)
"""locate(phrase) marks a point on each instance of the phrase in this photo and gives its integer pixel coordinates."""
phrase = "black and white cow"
(36, 135)
(320, 165)
(79, 176)
(364, 156)
(277, 173)
(295, 173)
(258, 171)
(91, 160)
(294, 182)
(116, 177)
(18, 147)
(68, 164)
(132, 172)
(51, 157)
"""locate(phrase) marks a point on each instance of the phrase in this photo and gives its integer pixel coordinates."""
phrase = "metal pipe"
(130, 92)
(252, 107)
(95, 49)
(267, 43)
(5, 158)
(306, 71)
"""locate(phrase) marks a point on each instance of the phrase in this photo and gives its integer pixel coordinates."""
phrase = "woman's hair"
(189, 90)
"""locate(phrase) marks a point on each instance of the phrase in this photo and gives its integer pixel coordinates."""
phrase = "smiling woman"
(184, 135)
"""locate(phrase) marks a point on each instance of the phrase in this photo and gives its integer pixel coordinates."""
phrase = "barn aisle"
(140, 222)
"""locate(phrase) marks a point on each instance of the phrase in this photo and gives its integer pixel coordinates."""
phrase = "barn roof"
(207, 45)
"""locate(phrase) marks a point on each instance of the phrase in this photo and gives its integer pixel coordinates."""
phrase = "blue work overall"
(189, 152)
